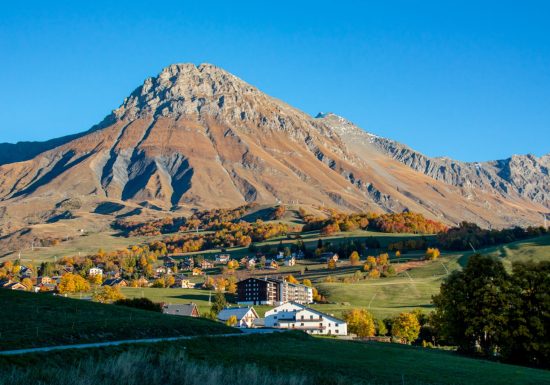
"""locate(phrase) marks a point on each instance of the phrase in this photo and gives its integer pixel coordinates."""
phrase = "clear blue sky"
(470, 80)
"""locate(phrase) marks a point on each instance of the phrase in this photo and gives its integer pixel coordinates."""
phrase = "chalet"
(223, 258)
(244, 261)
(115, 282)
(182, 282)
(271, 291)
(293, 315)
(142, 282)
(290, 261)
(43, 287)
(15, 286)
(251, 263)
(170, 262)
(44, 280)
(197, 271)
(95, 271)
(206, 264)
(186, 309)
(325, 257)
(246, 316)
(271, 264)
(187, 264)
(25, 272)
(162, 270)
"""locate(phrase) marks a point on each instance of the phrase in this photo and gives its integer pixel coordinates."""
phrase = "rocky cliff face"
(523, 175)
(199, 137)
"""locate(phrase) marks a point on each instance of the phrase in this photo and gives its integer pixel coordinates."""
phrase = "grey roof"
(112, 281)
(238, 312)
(185, 309)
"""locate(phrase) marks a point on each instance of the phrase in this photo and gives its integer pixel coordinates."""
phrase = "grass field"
(291, 358)
(385, 297)
(414, 288)
(110, 241)
(88, 244)
(33, 320)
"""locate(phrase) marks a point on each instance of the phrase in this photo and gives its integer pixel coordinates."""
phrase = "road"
(245, 332)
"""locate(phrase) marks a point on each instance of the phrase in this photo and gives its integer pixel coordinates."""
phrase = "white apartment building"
(292, 315)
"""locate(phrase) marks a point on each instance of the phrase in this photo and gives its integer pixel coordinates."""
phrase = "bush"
(140, 303)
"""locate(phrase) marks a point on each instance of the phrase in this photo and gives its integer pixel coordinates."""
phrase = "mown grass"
(386, 297)
(286, 358)
(34, 320)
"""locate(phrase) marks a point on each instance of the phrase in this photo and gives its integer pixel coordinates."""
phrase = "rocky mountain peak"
(186, 89)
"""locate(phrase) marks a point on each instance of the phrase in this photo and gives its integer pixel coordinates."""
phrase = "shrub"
(140, 303)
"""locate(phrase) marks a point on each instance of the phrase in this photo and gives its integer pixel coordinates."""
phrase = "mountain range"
(199, 137)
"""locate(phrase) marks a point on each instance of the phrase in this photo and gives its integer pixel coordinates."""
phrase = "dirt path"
(245, 332)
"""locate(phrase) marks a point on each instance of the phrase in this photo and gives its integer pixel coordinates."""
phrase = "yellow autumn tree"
(374, 274)
(406, 327)
(169, 281)
(231, 285)
(72, 283)
(331, 264)
(27, 282)
(383, 259)
(432, 253)
(107, 294)
(290, 279)
(231, 321)
(95, 279)
(354, 258)
(360, 322)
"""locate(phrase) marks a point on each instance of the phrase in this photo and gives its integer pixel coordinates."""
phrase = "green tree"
(360, 322)
(471, 309)
(527, 340)
(406, 327)
(381, 328)
(219, 304)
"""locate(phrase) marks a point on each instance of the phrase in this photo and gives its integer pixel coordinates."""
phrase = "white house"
(246, 316)
(95, 271)
(292, 315)
(290, 261)
(223, 258)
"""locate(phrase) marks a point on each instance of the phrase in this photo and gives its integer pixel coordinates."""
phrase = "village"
(287, 297)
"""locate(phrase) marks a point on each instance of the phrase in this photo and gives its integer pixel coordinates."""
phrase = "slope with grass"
(35, 320)
(286, 358)
(414, 288)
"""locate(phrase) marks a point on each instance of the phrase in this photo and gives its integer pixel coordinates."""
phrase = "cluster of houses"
(288, 315)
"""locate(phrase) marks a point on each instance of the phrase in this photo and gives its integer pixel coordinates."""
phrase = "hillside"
(53, 320)
(199, 137)
(266, 360)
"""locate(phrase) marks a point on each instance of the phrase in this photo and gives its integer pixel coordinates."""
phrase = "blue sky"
(469, 80)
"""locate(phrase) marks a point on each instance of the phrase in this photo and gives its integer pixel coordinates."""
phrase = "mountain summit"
(199, 137)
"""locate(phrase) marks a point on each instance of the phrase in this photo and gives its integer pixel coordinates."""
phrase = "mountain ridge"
(200, 137)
